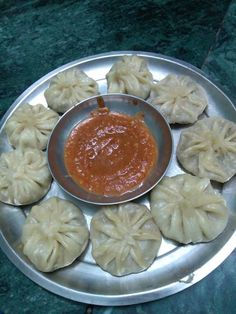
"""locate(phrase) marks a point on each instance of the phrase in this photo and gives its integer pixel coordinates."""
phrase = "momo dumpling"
(130, 75)
(68, 88)
(179, 98)
(24, 176)
(125, 238)
(55, 233)
(31, 126)
(187, 209)
(208, 149)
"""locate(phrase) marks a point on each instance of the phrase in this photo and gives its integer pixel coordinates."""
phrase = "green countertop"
(37, 36)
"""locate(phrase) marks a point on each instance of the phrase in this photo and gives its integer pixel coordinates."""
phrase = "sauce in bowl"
(110, 153)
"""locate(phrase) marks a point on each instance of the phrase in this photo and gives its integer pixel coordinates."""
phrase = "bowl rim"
(93, 198)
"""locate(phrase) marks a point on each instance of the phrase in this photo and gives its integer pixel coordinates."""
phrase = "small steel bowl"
(120, 103)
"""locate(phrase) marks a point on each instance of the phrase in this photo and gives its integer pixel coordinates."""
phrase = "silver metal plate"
(177, 267)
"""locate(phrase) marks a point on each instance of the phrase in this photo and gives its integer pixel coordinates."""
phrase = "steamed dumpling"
(31, 126)
(208, 149)
(187, 209)
(55, 233)
(68, 88)
(130, 75)
(125, 238)
(179, 99)
(24, 176)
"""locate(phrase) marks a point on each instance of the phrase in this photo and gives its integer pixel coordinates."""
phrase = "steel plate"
(177, 266)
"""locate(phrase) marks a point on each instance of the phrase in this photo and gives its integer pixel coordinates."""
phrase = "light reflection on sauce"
(110, 153)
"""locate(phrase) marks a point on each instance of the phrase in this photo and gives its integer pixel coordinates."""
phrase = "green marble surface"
(37, 36)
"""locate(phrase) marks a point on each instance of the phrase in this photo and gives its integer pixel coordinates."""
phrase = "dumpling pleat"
(199, 214)
(138, 242)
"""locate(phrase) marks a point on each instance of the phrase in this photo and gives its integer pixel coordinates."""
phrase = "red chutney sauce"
(110, 153)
